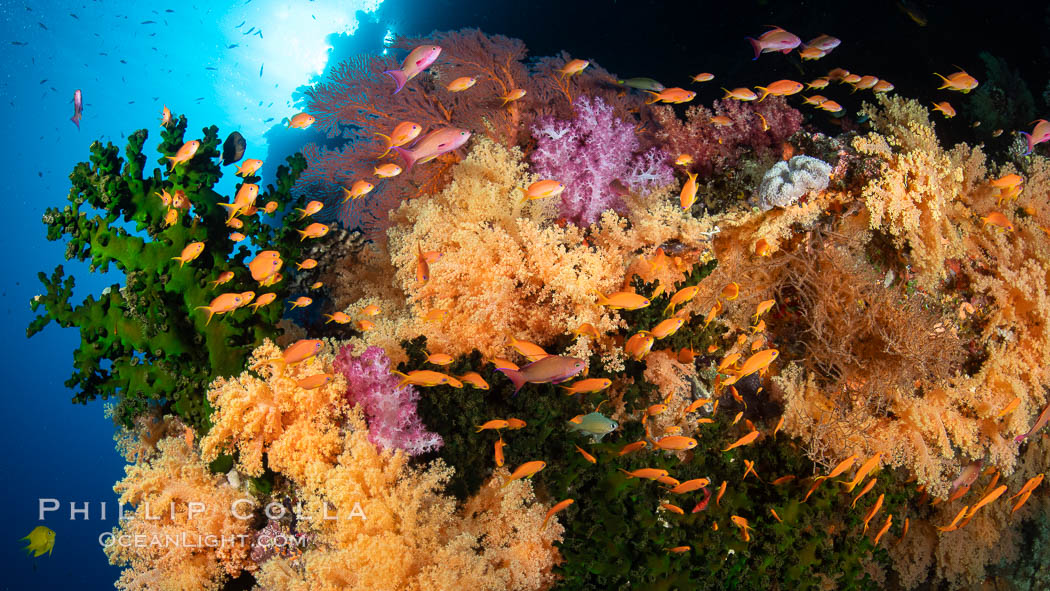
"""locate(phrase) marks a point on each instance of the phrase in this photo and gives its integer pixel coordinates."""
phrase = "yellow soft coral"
(270, 414)
(184, 531)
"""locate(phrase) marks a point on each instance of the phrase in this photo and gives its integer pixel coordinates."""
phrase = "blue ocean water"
(238, 65)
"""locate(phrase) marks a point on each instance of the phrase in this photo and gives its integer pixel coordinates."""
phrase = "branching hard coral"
(389, 526)
(389, 408)
(184, 532)
(269, 413)
(588, 154)
(145, 342)
(715, 148)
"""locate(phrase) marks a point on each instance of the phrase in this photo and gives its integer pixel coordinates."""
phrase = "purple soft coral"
(389, 410)
(590, 152)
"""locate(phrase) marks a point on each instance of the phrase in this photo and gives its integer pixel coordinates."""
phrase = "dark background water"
(53, 449)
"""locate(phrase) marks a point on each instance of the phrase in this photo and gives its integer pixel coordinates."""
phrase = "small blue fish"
(595, 424)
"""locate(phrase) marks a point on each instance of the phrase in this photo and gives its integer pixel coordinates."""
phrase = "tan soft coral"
(265, 412)
(389, 526)
(506, 267)
(163, 546)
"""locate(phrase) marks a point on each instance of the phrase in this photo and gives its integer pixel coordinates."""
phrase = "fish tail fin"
(76, 119)
(765, 93)
(389, 143)
(179, 258)
(629, 476)
(654, 98)
(601, 297)
(303, 212)
(210, 313)
(729, 93)
(399, 78)
(302, 235)
(406, 156)
(756, 46)
(515, 377)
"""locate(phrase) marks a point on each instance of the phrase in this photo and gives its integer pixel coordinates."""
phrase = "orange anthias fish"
(310, 209)
(625, 300)
(674, 96)
(745, 440)
(440, 359)
(423, 377)
(689, 486)
(1010, 407)
(811, 53)
(780, 88)
(673, 508)
(573, 67)
(499, 452)
(301, 302)
(386, 171)
(314, 230)
(649, 473)
(952, 526)
(266, 298)
(555, 509)
(265, 265)
(301, 121)
(403, 133)
(830, 106)
(541, 190)
(742, 524)
(224, 277)
(165, 117)
(959, 81)
(315, 381)
(945, 108)
(703, 77)
(587, 329)
(190, 252)
(683, 160)
(249, 167)
(819, 83)
(682, 296)
(667, 327)
(882, 86)
(1007, 182)
(775, 39)
(740, 94)
(999, 220)
(422, 268)
(866, 82)
(688, 194)
(756, 362)
(639, 345)
(841, 467)
(586, 455)
(863, 471)
(359, 189)
(526, 470)
(474, 379)
(222, 304)
(496, 424)
(675, 443)
(587, 386)
(513, 95)
(338, 318)
(988, 498)
(418, 59)
(630, 447)
(462, 83)
(184, 154)
(884, 529)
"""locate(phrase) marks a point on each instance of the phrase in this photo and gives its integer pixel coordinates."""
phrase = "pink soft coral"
(389, 410)
(591, 151)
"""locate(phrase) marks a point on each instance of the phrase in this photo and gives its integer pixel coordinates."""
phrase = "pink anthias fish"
(1040, 422)
(418, 60)
(552, 369)
(1040, 134)
(438, 142)
(775, 39)
(78, 107)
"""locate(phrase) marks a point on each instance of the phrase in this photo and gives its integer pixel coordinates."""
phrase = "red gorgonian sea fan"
(717, 147)
(356, 101)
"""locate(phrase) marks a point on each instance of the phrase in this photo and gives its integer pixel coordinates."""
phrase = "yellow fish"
(526, 470)
(41, 539)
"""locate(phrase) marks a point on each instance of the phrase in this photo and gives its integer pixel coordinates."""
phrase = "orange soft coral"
(161, 545)
(271, 415)
(380, 524)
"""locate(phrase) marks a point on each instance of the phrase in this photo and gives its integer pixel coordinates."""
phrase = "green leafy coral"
(145, 342)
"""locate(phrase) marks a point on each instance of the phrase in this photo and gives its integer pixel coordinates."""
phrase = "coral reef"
(788, 181)
(144, 341)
